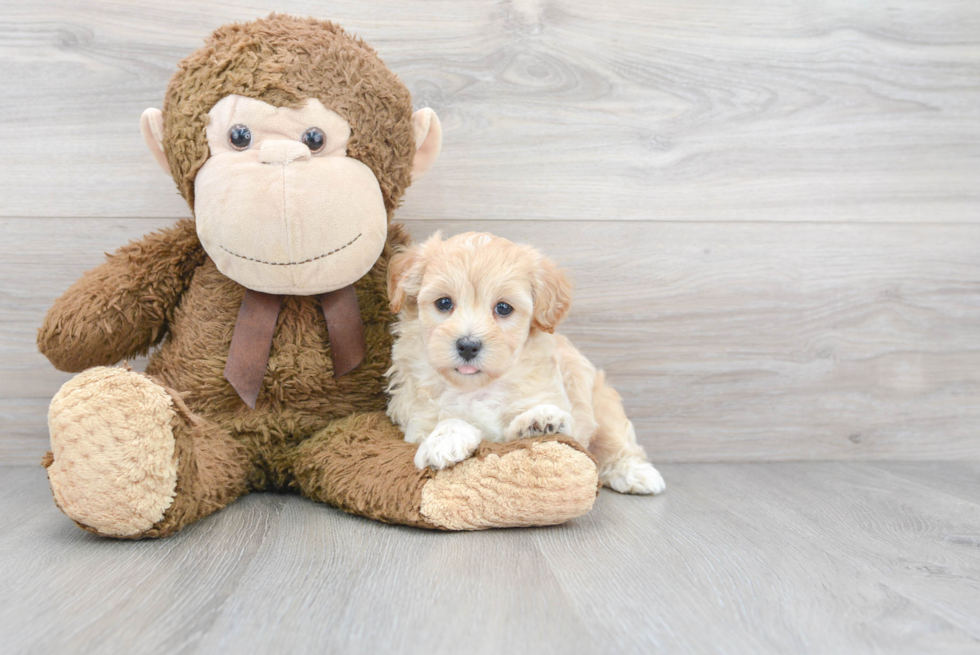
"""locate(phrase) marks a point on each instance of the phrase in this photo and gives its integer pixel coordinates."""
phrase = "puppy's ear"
(405, 271)
(400, 286)
(552, 291)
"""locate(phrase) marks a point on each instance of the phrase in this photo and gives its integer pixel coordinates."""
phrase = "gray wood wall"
(770, 208)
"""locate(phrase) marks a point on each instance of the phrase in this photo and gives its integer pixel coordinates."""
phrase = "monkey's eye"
(314, 139)
(503, 309)
(444, 304)
(240, 137)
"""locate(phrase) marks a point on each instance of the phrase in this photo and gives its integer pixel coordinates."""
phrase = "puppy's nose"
(468, 348)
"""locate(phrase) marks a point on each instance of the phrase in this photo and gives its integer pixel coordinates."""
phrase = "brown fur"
(310, 432)
(212, 472)
(122, 308)
(299, 394)
(283, 60)
(346, 466)
(213, 469)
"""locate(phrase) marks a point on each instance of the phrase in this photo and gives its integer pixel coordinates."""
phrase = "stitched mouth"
(305, 261)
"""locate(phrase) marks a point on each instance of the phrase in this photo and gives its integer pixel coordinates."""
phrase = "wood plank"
(960, 479)
(61, 580)
(24, 430)
(446, 591)
(700, 575)
(906, 533)
(631, 110)
(686, 572)
(727, 341)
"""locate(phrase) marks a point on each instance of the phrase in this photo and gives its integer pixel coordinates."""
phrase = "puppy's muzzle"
(468, 348)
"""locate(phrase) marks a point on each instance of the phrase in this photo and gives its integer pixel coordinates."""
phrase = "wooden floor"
(735, 558)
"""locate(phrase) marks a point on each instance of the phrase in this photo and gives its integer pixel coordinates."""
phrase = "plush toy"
(293, 144)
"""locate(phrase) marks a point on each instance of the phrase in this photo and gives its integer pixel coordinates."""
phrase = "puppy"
(475, 357)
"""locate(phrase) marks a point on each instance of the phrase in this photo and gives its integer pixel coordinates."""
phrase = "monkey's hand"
(121, 308)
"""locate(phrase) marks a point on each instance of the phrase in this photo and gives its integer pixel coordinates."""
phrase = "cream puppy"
(476, 358)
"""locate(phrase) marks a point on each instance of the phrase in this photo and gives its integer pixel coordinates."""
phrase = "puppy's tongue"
(467, 369)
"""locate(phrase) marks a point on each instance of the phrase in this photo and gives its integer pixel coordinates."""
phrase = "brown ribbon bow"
(256, 324)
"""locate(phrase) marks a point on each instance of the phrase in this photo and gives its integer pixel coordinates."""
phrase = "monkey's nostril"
(468, 348)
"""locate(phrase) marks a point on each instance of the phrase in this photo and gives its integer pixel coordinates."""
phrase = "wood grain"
(960, 479)
(576, 110)
(775, 558)
(712, 571)
(771, 210)
(863, 514)
(729, 341)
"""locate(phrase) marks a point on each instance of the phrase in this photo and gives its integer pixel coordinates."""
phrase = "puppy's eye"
(314, 139)
(240, 137)
(444, 304)
(503, 309)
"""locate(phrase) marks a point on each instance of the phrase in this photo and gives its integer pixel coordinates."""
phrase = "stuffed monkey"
(267, 314)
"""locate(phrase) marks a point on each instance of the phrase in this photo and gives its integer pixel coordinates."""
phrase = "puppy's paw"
(539, 421)
(633, 476)
(452, 441)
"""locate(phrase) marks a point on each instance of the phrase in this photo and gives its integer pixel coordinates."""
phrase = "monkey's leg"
(362, 465)
(129, 460)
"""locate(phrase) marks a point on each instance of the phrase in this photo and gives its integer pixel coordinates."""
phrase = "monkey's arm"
(362, 465)
(121, 308)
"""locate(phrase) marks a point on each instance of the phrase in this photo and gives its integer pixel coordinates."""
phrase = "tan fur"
(553, 482)
(114, 467)
(529, 381)
(322, 436)
(552, 291)
(278, 218)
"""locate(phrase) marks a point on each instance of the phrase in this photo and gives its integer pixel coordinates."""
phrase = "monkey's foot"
(113, 467)
(539, 481)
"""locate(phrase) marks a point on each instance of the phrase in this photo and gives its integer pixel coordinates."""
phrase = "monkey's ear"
(428, 141)
(151, 125)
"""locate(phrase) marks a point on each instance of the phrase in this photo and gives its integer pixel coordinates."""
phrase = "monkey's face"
(279, 205)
